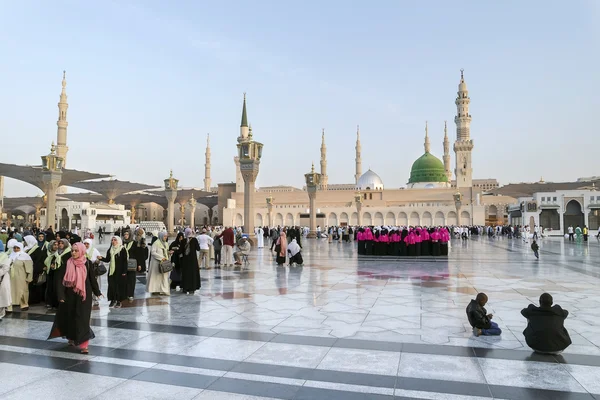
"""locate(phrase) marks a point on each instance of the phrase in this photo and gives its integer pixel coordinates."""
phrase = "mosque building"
(431, 196)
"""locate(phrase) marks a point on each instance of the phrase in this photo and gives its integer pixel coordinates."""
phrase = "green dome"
(428, 168)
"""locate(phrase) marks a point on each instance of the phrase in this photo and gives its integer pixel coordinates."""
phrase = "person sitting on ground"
(243, 250)
(294, 253)
(479, 319)
(545, 332)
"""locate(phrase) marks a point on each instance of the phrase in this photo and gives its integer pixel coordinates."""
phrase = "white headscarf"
(30, 241)
(293, 247)
(20, 255)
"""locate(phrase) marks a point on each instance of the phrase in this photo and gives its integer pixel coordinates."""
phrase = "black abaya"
(117, 282)
(190, 273)
(36, 292)
(54, 279)
(72, 320)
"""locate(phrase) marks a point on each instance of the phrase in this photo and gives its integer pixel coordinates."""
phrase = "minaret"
(61, 136)
(358, 159)
(207, 165)
(463, 145)
(323, 162)
(244, 125)
(244, 132)
(427, 142)
(446, 157)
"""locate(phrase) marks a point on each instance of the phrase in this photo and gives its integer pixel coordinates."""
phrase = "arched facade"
(426, 219)
(367, 220)
(414, 219)
(289, 219)
(258, 220)
(451, 219)
(278, 219)
(390, 219)
(239, 220)
(354, 219)
(402, 219)
(573, 215)
(378, 219)
(344, 218)
(332, 220)
(439, 219)
(465, 218)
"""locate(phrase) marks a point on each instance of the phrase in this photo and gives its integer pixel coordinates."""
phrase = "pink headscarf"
(76, 271)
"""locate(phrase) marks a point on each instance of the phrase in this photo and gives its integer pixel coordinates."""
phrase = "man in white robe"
(5, 294)
(260, 239)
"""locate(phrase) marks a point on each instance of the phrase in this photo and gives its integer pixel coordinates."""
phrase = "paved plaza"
(340, 327)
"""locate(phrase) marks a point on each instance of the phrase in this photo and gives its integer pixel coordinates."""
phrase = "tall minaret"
(244, 124)
(61, 135)
(323, 162)
(358, 159)
(446, 157)
(207, 165)
(463, 145)
(244, 131)
(427, 143)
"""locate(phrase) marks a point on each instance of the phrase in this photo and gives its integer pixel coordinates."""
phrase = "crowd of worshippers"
(403, 241)
(545, 332)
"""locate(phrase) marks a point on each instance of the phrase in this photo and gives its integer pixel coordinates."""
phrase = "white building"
(71, 214)
(556, 211)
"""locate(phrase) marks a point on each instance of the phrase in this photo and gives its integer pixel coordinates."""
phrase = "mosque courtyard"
(340, 327)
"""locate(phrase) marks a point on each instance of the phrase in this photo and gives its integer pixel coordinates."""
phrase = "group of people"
(545, 332)
(403, 241)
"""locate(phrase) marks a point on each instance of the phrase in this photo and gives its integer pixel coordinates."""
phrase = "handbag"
(131, 264)
(165, 266)
(99, 269)
(277, 248)
(41, 279)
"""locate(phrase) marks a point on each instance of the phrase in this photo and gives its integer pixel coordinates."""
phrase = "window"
(543, 199)
(370, 196)
(554, 199)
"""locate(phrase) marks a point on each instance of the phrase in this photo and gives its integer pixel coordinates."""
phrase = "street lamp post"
(193, 203)
(52, 166)
(458, 204)
(358, 201)
(270, 203)
(249, 153)
(171, 194)
(313, 180)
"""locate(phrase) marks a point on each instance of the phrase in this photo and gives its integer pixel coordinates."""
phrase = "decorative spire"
(357, 160)
(427, 143)
(312, 168)
(171, 174)
(445, 130)
(244, 115)
(462, 74)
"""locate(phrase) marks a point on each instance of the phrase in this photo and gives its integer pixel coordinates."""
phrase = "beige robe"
(20, 276)
(211, 248)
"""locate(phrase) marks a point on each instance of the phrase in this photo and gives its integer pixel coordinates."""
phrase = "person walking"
(158, 281)
(571, 233)
(116, 256)
(205, 242)
(585, 233)
(535, 248)
(5, 292)
(72, 320)
(21, 275)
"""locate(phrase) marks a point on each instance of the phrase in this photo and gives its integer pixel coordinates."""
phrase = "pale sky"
(148, 79)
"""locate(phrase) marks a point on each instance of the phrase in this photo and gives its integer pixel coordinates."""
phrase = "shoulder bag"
(41, 279)
(131, 264)
(165, 266)
(99, 268)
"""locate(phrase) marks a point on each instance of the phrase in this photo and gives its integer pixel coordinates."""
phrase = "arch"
(573, 215)
(289, 219)
(332, 219)
(414, 219)
(402, 219)
(451, 219)
(239, 220)
(390, 219)
(298, 219)
(65, 220)
(493, 210)
(465, 218)
(344, 218)
(258, 220)
(439, 219)
(378, 219)
(426, 219)
(278, 219)
(367, 220)
(354, 219)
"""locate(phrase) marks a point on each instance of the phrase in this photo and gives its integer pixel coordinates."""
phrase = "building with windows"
(555, 211)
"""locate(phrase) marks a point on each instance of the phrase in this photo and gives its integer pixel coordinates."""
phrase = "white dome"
(370, 181)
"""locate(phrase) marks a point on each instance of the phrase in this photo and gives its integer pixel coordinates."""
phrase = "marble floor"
(339, 327)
